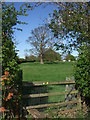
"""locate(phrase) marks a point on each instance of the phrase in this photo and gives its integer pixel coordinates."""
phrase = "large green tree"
(51, 56)
(70, 22)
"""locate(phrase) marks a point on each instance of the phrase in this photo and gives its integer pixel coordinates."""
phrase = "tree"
(11, 80)
(70, 22)
(51, 56)
(41, 38)
(69, 57)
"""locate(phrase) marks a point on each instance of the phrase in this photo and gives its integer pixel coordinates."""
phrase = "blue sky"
(34, 19)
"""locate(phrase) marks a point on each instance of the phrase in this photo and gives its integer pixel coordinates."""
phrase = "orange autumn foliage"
(2, 109)
(4, 78)
(6, 73)
(9, 96)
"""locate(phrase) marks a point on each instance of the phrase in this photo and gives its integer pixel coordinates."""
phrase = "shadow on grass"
(31, 89)
(27, 90)
(51, 62)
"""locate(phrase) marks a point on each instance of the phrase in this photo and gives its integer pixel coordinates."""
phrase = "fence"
(67, 103)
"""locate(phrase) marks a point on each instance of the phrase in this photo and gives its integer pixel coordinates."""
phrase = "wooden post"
(79, 105)
(17, 111)
(84, 106)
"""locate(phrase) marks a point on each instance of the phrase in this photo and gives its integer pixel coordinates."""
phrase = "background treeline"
(49, 56)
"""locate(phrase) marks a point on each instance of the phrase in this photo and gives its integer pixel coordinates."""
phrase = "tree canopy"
(71, 23)
(51, 56)
(69, 57)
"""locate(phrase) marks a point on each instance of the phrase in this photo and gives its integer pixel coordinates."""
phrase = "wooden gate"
(73, 104)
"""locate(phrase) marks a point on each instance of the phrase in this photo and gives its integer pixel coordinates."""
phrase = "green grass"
(46, 72)
(56, 88)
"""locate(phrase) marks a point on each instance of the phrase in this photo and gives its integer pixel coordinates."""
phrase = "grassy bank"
(46, 72)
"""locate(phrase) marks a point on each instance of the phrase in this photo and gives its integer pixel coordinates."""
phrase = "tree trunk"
(41, 51)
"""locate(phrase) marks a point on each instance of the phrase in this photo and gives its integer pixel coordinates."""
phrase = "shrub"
(82, 72)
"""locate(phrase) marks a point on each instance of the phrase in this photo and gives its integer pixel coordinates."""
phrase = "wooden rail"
(48, 94)
(47, 83)
(52, 104)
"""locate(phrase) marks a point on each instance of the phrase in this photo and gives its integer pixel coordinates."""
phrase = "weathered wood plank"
(79, 100)
(51, 104)
(47, 83)
(48, 94)
(36, 114)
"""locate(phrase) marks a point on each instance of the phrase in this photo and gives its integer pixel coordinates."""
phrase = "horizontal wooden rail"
(48, 94)
(47, 83)
(52, 104)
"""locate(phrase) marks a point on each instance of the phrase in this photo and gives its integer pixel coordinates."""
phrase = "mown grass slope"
(47, 72)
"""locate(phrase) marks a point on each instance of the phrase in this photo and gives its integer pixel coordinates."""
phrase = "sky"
(35, 18)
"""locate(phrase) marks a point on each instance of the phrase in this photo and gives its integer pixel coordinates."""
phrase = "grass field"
(46, 72)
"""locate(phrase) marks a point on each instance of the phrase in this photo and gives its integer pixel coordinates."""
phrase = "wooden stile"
(33, 109)
(52, 104)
